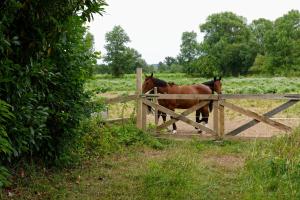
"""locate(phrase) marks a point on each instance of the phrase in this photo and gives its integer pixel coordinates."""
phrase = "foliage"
(283, 45)
(273, 169)
(102, 140)
(6, 148)
(228, 40)
(205, 66)
(44, 64)
(120, 58)
(260, 28)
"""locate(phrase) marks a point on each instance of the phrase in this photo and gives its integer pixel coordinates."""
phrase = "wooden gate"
(219, 103)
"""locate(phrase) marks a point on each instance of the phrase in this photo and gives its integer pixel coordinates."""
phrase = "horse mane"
(159, 83)
(210, 84)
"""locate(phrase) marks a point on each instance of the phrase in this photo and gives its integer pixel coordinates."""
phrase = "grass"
(121, 162)
(181, 170)
(101, 84)
(190, 169)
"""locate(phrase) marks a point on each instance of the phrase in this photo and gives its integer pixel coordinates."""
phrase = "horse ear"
(220, 78)
(151, 74)
(145, 76)
(215, 78)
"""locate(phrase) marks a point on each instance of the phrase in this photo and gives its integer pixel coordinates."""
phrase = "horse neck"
(211, 86)
(162, 90)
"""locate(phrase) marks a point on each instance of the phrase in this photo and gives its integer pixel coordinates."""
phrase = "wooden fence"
(219, 103)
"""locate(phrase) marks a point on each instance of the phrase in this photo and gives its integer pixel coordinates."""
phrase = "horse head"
(218, 85)
(148, 83)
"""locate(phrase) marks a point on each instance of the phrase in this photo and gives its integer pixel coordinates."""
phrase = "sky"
(155, 26)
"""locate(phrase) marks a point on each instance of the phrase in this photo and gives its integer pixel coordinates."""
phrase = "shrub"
(6, 148)
(103, 139)
(44, 65)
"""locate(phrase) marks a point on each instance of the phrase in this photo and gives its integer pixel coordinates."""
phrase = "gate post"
(216, 117)
(155, 109)
(221, 120)
(141, 111)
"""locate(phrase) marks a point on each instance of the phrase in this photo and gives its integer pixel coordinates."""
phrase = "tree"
(116, 50)
(283, 44)
(205, 66)
(260, 28)
(119, 57)
(189, 48)
(170, 60)
(229, 40)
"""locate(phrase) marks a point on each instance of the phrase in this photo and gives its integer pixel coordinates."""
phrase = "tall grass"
(231, 85)
(273, 169)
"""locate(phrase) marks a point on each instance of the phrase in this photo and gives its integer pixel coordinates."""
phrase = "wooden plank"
(178, 116)
(139, 110)
(268, 114)
(216, 117)
(121, 99)
(260, 96)
(144, 117)
(183, 96)
(185, 113)
(155, 109)
(221, 121)
(256, 116)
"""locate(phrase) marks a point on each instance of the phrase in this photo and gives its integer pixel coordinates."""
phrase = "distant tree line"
(230, 47)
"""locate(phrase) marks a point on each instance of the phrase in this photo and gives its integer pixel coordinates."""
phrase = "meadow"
(120, 162)
(104, 86)
(231, 85)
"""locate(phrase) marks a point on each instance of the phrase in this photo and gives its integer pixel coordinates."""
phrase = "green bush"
(103, 139)
(46, 56)
(6, 148)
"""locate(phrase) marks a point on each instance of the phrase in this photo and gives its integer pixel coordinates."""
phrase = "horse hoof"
(174, 131)
(199, 131)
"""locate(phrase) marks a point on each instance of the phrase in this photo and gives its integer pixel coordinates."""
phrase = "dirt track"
(259, 130)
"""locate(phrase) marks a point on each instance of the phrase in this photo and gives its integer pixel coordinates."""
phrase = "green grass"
(231, 85)
(190, 169)
(121, 162)
(180, 170)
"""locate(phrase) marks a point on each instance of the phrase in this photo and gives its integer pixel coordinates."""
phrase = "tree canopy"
(119, 57)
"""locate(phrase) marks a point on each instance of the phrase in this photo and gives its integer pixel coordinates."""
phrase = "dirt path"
(259, 130)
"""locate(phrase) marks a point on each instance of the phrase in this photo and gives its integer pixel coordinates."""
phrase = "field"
(241, 85)
(119, 162)
(106, 86)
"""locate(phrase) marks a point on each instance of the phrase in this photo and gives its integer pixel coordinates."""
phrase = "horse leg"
(174, 125)
(205, 115)
(198, 119)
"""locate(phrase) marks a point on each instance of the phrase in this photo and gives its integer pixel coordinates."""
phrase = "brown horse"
(171, 88)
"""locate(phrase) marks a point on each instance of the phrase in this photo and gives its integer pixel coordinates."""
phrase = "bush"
(103, 139)
(44, 65)
(6, 148)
